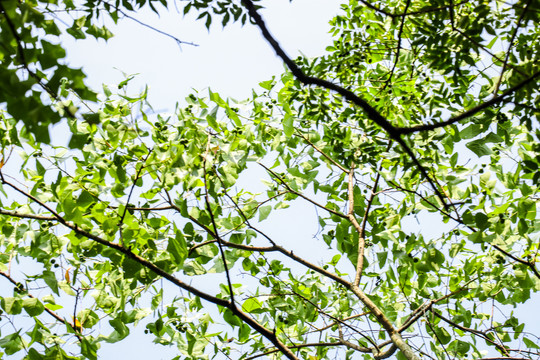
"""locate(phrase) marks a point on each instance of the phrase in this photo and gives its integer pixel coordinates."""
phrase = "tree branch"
(337, 213)
(398, 45)
(177, 40)
(471, 331)
(530, 264)
(510, 45)
(137, 176)
(213, 220)
(470, 112)
(405, 348)
(309, 80)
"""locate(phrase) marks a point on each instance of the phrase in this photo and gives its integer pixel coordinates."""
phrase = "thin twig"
(489, 52)
(177, 40)
(530, 264)
(510, 45)
(213, 220)
(472, 331)
(398, 45)
(276, 176)
(137, 177)
(322, 153)
(46, 309)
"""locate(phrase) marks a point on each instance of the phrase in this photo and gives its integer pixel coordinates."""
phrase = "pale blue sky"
(232, 60)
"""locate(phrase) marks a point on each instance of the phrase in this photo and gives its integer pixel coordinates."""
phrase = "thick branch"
(470, 112)
(418, 313)
(309, 80)
(27, 216)
(407, 351)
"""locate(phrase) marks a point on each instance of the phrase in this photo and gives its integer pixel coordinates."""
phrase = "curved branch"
(177, 40)
(309, 80)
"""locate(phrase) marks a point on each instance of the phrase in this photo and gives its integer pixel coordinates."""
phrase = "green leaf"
(12, 343)
(211, 118)
(177, 247)
(530, 344)
(32, 306)
(123, 83)
(194, 268)
(264, 211)
(288, 125)
(267, 85)
(11, 305)
(252, 305)
(121, 329)
(527, 209)
(479, 148)
(481, 220)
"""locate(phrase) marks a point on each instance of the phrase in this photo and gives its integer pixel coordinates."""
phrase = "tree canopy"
(411, 145)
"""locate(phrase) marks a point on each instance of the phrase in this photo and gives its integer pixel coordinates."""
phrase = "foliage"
(414, 139)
